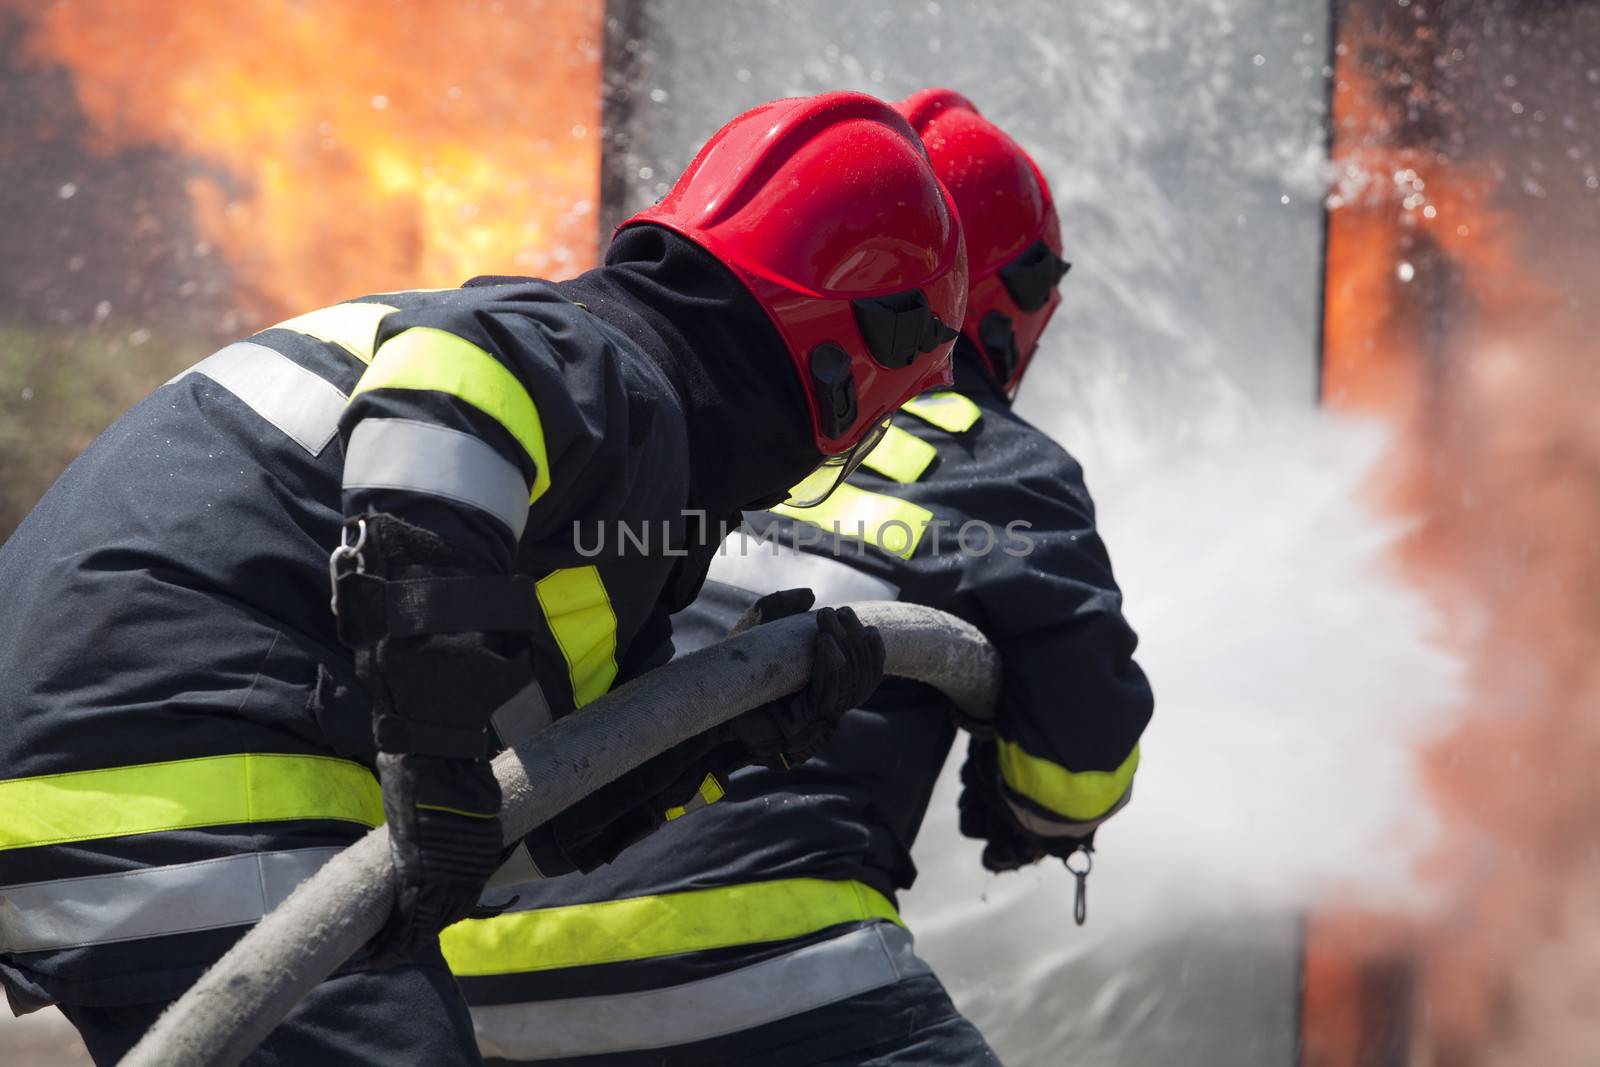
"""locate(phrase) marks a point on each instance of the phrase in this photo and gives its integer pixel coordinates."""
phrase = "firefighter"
(187, 730)
(763, 930)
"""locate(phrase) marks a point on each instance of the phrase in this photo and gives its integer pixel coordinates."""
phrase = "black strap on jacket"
(371, 608)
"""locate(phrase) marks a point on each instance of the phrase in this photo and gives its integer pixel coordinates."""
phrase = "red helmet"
(827, 209)
(1009, 219)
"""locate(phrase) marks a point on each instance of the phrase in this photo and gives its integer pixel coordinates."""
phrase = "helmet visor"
(832, 471)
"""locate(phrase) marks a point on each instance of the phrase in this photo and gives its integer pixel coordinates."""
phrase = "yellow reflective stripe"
(951, 412)
(887, 522)
(816, 484)
(901, 455)
(578, 609)
(710, 792)
(425, 358)
(179, 794)
(1080, 796)
(643, 927)
(353, 327)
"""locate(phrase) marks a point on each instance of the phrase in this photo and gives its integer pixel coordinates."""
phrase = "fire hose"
(236, 1003)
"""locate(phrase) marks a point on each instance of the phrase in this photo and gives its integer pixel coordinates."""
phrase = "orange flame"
(346, 148)
(1443, 314)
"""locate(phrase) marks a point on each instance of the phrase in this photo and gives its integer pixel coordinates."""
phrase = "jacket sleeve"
(1074, 702)
(464, 414)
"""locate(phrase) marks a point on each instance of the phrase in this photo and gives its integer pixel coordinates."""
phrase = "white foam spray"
(1294, 677)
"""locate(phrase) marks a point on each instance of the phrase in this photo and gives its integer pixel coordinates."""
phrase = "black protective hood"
(749, 427)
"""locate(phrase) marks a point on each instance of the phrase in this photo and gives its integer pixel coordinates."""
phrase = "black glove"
(444, 835)
(774, 606)
(432, 698)
(985, 816)
(846, 666)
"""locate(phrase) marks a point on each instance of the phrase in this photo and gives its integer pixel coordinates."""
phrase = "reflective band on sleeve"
(1035, 823)
(518, 868)
(710, 792)
(152, 901)
(950, 412)
(610, 931)
(901, 456)
(763, 566)
(296, 401)
(425, 358)
(1081, 796)
(578, 609)
(176, 795)
(353, 327)
(803, 980)
(896, 526)
(419, 457)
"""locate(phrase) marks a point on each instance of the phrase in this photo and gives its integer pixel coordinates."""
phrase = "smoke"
(1297, 675)
(1295, 680)
(1475, 337)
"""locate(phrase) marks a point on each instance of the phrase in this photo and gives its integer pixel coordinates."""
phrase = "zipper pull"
(1080, 903)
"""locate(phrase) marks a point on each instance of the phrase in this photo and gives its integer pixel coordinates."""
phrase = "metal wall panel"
(1184, 141)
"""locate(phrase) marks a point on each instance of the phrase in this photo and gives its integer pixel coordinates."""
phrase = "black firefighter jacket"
(964, 507)
(181, 737)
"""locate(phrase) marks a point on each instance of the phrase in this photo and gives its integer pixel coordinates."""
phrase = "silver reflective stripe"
(525, 714)
(522, 716)
(763, 566)
(419, 457)
(152, 901)
(700, 799)
(296, 401)
(1035, 823)
(517, 868)
(800, 981)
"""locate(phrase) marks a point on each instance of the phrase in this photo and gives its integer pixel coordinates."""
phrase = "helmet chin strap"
(831, 473)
